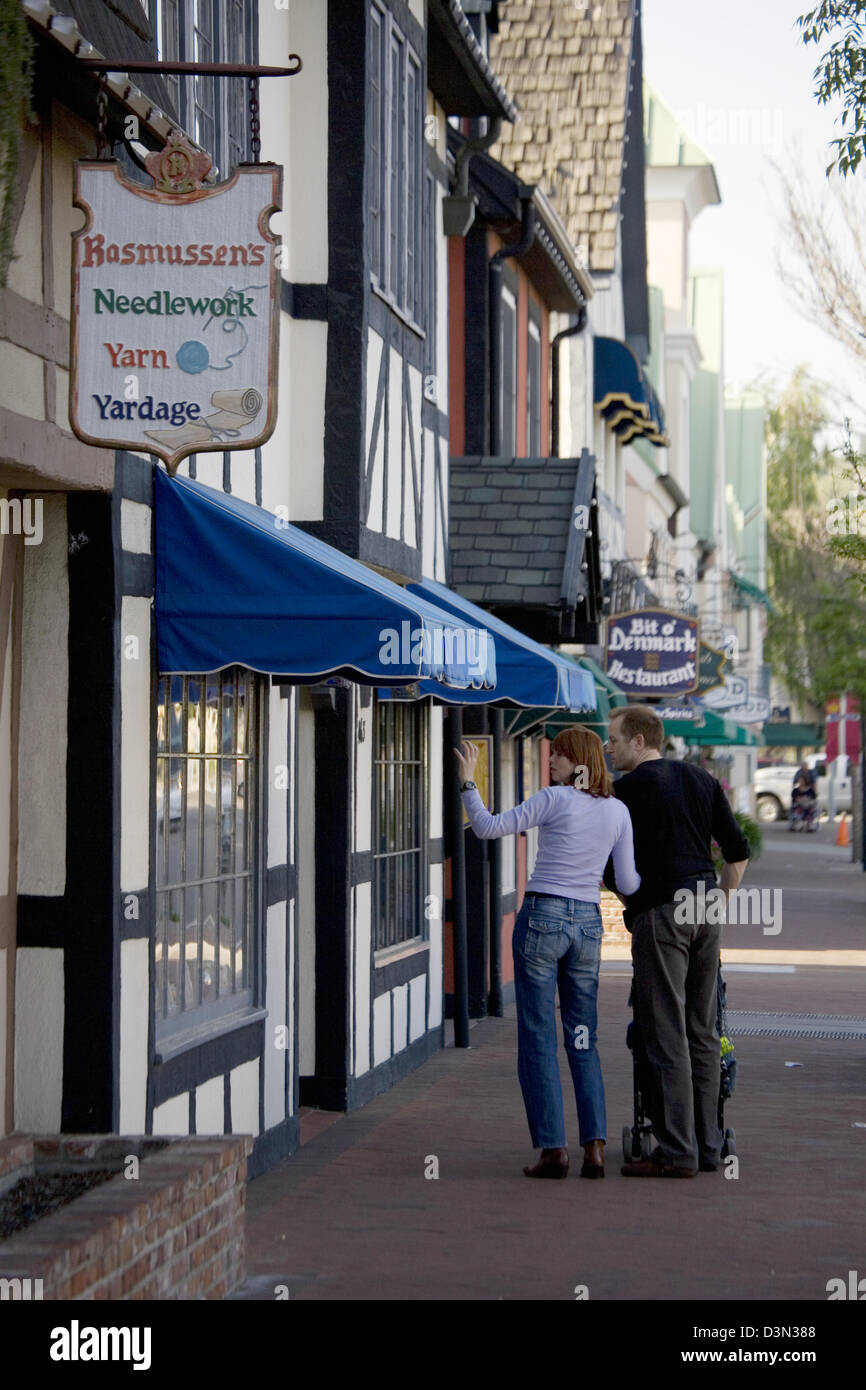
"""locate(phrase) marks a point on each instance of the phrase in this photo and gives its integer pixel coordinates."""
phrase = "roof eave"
(458, 70)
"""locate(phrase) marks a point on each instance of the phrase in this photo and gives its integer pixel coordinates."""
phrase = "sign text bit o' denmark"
(175, 304)
(651, 651)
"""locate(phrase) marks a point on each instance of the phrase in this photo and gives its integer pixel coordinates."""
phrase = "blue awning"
(528, 675)
(624, 395)
(236, 584)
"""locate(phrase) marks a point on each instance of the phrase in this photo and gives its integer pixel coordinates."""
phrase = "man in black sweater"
(677, 810)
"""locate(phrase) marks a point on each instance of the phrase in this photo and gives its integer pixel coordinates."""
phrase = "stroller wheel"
(730, 1145)
(646, 1146)
(627, 1155)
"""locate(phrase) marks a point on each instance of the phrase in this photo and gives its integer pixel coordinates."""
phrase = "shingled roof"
(510, 523)
(566, 64)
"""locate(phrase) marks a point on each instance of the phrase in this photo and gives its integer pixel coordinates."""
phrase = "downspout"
(458, 208)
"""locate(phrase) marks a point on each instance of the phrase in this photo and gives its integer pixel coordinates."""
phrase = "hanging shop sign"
(734, 691)
(175, 306)
(653, 652)
(755, 710)
(711, 668)
(680, 712)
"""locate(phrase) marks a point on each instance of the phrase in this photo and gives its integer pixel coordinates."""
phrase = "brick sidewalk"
(352, 1216)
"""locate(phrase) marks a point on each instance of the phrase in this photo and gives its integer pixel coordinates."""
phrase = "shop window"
(206, 865)
(213, 110)
(400, 823)
(395, 149)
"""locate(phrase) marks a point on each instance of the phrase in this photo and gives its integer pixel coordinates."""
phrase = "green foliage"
(841, 72)
(753, 833)
(15, 78)
(816, 635)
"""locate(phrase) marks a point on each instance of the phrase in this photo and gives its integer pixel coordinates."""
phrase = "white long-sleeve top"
(577, 834)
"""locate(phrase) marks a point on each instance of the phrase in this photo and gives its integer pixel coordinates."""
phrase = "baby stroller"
(637, 1138)
(804, 811)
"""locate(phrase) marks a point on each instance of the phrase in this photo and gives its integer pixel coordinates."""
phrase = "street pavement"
(354, 1215)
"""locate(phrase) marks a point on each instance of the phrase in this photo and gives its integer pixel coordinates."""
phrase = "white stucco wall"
(172, 1117)
(361, 947)
(244, 1087)
(135, 717)
(39, 1020)
(134, 993)
(210, 1107)
(43, 717)
(275, 1002)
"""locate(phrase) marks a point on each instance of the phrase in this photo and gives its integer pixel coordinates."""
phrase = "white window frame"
(397, 270)
(226, 97)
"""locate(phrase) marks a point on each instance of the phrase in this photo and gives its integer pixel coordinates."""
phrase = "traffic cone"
(843, 839)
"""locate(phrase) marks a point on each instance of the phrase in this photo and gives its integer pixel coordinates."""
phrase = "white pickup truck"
(773, 788)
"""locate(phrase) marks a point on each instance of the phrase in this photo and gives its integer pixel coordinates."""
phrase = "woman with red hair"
(557, 936)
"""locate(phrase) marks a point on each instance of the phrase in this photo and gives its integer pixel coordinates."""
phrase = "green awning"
(716, 730)
(784, 735)
(616, 697)
(752, 591)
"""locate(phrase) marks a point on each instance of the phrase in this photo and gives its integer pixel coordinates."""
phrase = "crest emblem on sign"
(175, 306)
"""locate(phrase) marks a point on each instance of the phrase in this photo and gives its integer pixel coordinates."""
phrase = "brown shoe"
(649, 1168)
(552, 1164)
(593, 1159)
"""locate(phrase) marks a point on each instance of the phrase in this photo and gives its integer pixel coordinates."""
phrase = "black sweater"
(677, 810)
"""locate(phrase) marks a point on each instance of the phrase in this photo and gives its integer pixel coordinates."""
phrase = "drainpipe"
(494, 307)
(554, 372)
(458, 209)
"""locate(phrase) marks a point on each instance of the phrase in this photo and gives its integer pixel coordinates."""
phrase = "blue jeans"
(557, 941)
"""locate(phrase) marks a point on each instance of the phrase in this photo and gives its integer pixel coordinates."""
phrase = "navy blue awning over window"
(624, 395)
(528, 675)
(236, 584)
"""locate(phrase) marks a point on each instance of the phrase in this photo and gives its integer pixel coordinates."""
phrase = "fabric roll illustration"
(245, 401)
(236, 410)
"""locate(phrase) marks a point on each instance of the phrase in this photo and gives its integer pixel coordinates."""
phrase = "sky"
(740, 79)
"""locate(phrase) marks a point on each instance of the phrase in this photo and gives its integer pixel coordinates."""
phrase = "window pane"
(396, 210)
(210, 912)
(376, 142)
(399, 854)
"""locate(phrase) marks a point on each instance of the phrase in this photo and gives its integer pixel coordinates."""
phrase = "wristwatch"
(468, 787)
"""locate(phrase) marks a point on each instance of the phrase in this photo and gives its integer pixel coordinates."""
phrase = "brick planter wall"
(615, 933)
(174, 1232)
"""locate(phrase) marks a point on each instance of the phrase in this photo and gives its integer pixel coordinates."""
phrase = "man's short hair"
(640, 719)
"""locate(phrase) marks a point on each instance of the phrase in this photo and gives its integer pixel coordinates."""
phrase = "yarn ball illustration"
(192, 357)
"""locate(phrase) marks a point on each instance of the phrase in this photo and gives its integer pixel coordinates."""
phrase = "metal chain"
(255, 129)
(102, 150)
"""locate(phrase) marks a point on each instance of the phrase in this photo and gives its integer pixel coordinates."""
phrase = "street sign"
(175, 307)
(651, 651)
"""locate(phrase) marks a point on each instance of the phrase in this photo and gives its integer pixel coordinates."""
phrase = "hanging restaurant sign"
(653, 652)
(175, 306)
